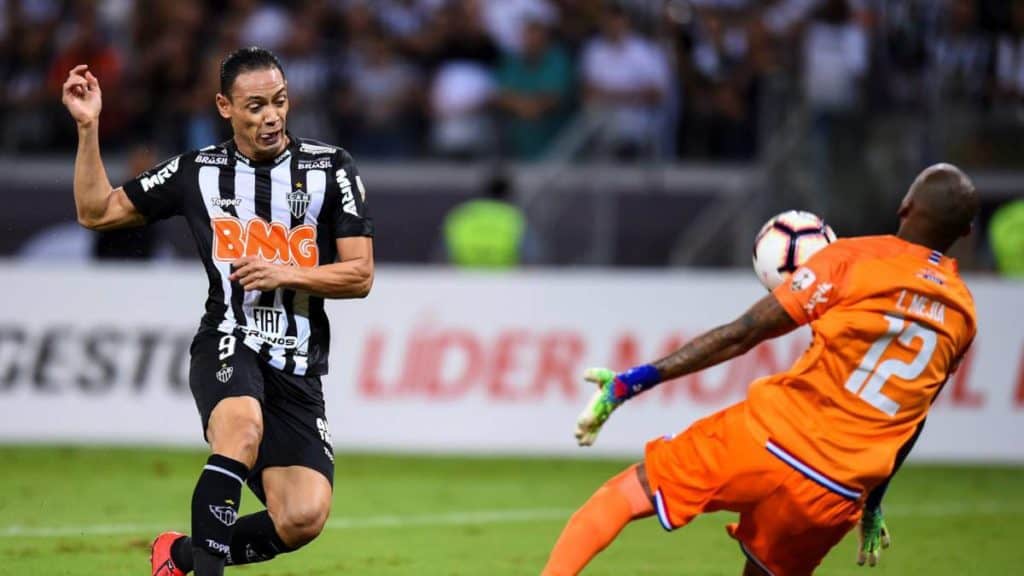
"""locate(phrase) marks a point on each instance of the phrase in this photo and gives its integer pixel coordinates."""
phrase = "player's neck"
(912, 234)
(255, 156)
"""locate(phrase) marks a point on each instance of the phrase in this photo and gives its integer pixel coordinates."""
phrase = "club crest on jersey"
(802, 280)
(225, 373)
(298, 202)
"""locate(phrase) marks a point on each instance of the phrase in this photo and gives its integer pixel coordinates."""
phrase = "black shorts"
(295, 431)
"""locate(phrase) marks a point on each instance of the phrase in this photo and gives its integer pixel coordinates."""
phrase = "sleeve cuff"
(791, 304)
(361, 228)
(144, 203)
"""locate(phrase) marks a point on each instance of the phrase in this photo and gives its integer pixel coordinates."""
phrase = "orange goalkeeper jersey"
(891, 321)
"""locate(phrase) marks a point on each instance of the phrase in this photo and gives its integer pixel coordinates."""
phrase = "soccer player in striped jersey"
(809, 453)
(281, 224)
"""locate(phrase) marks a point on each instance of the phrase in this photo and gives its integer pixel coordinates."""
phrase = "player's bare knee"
(236, 432)
(300, 524)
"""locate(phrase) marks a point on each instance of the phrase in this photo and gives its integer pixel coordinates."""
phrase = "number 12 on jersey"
(870, 376)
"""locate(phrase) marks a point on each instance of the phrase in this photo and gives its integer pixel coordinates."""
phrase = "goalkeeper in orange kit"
(809, 453)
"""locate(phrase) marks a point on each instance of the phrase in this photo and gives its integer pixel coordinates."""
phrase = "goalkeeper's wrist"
(872, 512)
(634, 381)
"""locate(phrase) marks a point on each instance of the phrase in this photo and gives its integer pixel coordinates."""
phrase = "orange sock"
(593, 527)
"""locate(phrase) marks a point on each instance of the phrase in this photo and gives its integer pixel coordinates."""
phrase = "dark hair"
(245, 60)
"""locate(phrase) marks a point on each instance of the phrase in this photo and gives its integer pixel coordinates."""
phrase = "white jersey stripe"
(209, 188)
(245, 191)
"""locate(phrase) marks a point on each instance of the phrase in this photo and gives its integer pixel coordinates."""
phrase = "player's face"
(257, 109)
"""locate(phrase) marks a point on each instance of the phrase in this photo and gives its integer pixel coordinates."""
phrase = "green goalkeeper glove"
(873, 537)
(600, 407)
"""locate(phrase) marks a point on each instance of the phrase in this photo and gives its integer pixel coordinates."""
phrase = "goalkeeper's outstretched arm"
(765, 319)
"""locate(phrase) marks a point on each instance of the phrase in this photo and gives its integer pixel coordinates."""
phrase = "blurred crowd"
(470, 79)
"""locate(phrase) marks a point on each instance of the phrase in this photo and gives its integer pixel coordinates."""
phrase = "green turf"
(945, 520)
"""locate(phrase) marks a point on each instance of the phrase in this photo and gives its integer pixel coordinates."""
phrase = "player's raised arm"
(99, 206)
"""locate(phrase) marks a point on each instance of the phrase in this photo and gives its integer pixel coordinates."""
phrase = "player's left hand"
(873, 537)
(258, 274)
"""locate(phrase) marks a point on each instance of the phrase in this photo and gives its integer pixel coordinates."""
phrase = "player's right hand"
(600, 407)
(81, 95)
(872, 536)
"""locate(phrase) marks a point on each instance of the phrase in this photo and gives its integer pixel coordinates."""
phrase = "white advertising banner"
(448, 361)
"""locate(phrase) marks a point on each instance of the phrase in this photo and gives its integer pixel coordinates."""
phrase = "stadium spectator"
(24, 94)
(626, 80)
(723, 105)
(309, 78)
(170, 69)
(1006, 237)
(490, 232)
(534, 91)
(463, 84)
(379, 100)
(405, 20)
(505, 20)
(835, 60)
(264, 24)
(87, 45)
(1009, 68)
(960, 54)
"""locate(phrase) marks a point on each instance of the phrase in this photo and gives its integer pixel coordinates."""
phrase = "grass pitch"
(88, 512)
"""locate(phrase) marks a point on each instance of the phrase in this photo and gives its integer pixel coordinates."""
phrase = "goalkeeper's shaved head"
(939, 208)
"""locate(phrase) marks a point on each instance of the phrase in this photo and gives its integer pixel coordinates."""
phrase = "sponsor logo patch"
(931, 276)
(271, 241)
(212, 159)
(218, 547)
(314, 164)
(314, 149)
(161, 175)
(820, 296)
(348, 201)
(226, 202)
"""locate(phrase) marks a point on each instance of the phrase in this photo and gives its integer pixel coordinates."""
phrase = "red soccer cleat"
(160, 555)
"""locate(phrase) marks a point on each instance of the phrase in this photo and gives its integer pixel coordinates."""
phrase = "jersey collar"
(293, 145)
(926, 254)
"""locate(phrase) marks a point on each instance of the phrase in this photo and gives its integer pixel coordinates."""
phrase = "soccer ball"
(785, 242)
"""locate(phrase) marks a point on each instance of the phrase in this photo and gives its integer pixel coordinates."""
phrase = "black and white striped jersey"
(288, 210)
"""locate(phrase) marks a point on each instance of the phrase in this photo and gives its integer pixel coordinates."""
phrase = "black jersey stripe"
(226, 188)
(264, 199)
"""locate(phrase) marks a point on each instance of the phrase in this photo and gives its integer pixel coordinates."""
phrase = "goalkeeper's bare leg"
(624, 498)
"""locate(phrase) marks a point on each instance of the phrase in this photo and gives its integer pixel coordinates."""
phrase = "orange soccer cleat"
(160, 555)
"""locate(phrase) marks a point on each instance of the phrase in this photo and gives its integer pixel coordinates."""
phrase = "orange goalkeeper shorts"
(788, 521)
